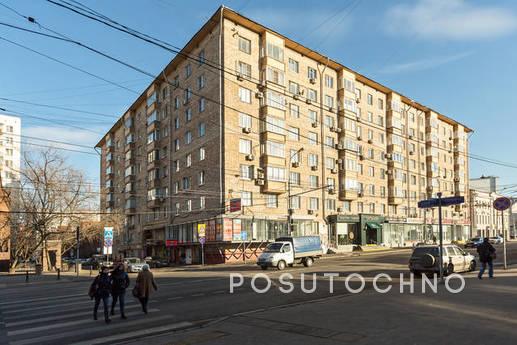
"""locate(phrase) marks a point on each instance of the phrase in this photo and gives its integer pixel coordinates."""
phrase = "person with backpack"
(486, 255)
(101, 290)
(142, 289)
(119, 284)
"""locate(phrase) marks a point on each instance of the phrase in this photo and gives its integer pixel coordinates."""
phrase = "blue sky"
(455, 56)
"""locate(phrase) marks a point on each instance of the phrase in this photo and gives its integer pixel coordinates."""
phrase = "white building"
(10, 131)
(486, 220)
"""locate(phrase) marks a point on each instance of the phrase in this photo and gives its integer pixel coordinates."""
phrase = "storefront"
(362, 229)
(407, 234)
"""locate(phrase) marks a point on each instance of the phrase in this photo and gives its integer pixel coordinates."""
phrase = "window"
(313, 138)
(201, 177)
(349, 85)
(313, 204)
(313, 116)
(202, 104)
(244, 95)
(186, 182)
(312, 160)
(201, 129)
(189, 205)
(329, 121)
(380, 104)
(294, 88)
(370, 99)
(153, 136)
(294, 111)
(244, 45)
(275, 174)
(188, 137)
(246, 172)
(245, 146)
(275, 125)
(272, 200)
(294, 155)
(188, 71)
(371, 207)
(178, 208)
(330, 163)
(329, 81)
(329, 101)
(293, 65)
(244, 69)
(176, 165)
(202, 153)
(176, 123)
(275, 99)
(294, 178)
(295, 202)
(202, 202)
(370, 116)
(294, 133)
(313, 181)
(312, 95)
(275, 52)
(246, 198)
(275, 75)
(244, 120)
(329, 141)
(201, 81)
(201, 57)
(331, 204)
(188, 115)
(188, 160)
(275, 149)
(311, 73)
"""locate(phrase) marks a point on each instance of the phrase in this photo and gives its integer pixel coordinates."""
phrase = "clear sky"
(458, 57)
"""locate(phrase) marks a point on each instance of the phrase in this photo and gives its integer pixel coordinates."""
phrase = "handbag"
(135, 292)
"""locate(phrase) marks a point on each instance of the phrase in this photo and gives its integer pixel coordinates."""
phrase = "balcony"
(130, 178)
(271, 160)
(269, 61)
(155, 183)
(129, 161)
(129, 146)
(154, 164)
(155, 203)
(395, 200)
(272, 136)
(153, 125)
(348, 194)
(275, 187)
(110, 203)
(266, 109)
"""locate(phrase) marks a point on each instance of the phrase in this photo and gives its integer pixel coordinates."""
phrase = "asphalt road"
(61, 313)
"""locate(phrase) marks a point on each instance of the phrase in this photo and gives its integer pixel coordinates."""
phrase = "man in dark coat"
(101, 290)
(119, 284)
(486, 255)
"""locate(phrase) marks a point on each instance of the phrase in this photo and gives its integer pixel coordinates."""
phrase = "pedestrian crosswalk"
(64, 315)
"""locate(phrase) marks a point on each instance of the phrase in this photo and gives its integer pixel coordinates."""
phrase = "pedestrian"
(486, 255)
(119, 284)
(434, 239)
(144, 282)
(101, 290)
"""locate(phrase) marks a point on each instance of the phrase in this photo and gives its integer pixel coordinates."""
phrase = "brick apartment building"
(246, 114)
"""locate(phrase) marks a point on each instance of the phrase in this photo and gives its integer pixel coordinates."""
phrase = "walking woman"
(144, 282)
(101, 290)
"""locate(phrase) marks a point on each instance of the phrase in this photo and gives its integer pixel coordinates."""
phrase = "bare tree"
(52, 198)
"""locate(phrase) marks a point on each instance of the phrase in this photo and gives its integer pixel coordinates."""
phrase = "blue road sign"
(434, 202)
(202, 240)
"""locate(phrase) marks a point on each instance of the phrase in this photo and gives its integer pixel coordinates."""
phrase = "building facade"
(486, 220)
(10, 131)
(246, 126)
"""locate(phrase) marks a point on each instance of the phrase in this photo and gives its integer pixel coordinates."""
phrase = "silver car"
(134, 264)
(424, 259)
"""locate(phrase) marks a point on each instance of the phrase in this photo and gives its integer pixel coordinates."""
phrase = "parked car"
(473, 242)
(496, 240)
(425, 259)
(134, 264)
(156, 262)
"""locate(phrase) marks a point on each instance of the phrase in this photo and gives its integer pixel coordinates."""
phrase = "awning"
(374, 225)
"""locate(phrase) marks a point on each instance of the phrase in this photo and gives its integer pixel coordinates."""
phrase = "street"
(194, 305)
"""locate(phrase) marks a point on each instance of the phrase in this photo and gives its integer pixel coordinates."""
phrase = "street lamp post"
(289, 209)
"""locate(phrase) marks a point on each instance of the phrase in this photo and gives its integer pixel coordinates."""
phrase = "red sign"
(227, 229)
(235, 205)
(210, 231)
(171, 243)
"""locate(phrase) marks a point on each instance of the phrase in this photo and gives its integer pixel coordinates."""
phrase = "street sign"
(202, 240)
(201, 230)
(502, 203)
(434, 202)
(235, 205)
(108, 240)
(171, 243)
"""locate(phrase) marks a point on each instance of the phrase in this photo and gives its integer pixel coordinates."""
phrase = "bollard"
(58, 273)
(27, 276)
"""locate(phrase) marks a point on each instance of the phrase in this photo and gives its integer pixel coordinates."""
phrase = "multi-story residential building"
(5, 231)
(246, 113)
(10, 131)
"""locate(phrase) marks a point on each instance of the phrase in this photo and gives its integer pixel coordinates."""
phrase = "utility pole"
(440, 229)
(77, 251)
(504, 240)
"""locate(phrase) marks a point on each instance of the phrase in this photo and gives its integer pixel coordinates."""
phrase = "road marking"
(57, 317)
(80, 333)
(56, 306)
(218, 292)
(197, 295)
(129, 335)
(193, 281)
(41, 299)
(174, 298)
(64, 324)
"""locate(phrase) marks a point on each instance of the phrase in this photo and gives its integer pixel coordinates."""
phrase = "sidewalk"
(483, 310)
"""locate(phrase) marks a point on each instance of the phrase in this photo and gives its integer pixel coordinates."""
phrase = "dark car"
(473, 242)
(156, 262)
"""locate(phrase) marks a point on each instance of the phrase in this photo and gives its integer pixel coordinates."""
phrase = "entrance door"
(371, 235)
(188, 256)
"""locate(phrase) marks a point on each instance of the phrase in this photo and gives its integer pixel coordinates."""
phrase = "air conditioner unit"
(340, 147)
(358, 100)
(239, 77)
(370, 141)
(332, 191)
(259, 95)
(339, 209)
(296, 96)
(359, 138)
(310, 211)
(314, 168)
(334, 171)
(410, 137)
(456, 179)
(246, 130)
(360, 194)
(314, 125)
(261, 84)
(411, 153)
(259, 182)
(308, 101)
(338, 130)
(250, 157)
(312, 80)
(331, 109)
(387, 155)
(295, 164)
(361, 157)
